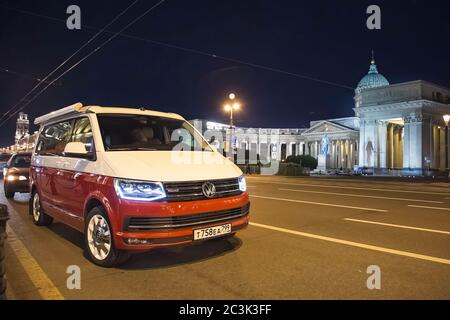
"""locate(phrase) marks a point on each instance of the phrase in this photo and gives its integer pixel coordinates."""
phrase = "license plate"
(212, 232)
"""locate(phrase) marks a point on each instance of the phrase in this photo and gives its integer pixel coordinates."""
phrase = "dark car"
(17, 174)
(4, 157)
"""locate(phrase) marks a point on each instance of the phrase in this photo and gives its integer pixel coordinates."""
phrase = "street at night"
(309, 238)
(224, 159)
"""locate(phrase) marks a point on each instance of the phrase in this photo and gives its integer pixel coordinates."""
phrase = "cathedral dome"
(373, 79)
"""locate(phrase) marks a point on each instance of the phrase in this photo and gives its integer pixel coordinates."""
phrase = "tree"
(305, 161)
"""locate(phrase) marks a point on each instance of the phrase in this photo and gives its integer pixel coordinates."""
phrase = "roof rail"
(74, 108)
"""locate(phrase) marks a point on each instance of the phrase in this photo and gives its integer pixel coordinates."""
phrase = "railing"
(3, 218)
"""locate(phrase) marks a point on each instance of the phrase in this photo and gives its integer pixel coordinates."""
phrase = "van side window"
(53, 139)
(82, 132)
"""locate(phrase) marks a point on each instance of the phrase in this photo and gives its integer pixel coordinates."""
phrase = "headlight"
(139, 190)
(22, 178)
(11, 178)
(242, 184)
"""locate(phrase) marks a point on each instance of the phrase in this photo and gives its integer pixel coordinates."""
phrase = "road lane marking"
(355, 244)
(361, 196)
(425, 207)
(320, 204)
(45, 287)
(354, 188)
(397, 226)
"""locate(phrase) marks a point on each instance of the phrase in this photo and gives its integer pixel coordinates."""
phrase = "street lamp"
(446, 120)
(231, 106)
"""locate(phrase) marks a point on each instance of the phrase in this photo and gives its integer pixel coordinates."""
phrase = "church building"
(398, 129)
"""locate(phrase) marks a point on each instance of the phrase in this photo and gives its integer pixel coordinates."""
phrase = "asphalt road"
(310, 238)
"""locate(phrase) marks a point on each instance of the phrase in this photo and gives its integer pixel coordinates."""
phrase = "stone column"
(406, 143)
(442, 149)
(362, 138)
(331, 147)
(315, 149)
(382, 144)
(390, 146)
(350, 154)
(436, 154)
(396, 144)
(347, 153)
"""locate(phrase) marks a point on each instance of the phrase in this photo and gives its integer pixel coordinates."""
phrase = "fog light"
(137, 241)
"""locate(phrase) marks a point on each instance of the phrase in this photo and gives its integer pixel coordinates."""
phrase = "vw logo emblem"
(209, 189)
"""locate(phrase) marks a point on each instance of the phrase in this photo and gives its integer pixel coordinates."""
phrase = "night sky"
(322, 39)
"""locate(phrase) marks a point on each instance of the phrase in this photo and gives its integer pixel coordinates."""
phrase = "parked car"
(4, 157)
(113, 174)
(17, 174)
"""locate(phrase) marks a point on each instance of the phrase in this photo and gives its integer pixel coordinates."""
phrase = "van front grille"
(185, 221)
(192, 190)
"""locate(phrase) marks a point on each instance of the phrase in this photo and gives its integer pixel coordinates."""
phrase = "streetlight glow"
(232, 96)
(446, 119)
(236, 106)
(227, 107)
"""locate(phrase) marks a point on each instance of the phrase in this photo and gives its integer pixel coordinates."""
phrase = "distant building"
(398, 129)
(22, 127)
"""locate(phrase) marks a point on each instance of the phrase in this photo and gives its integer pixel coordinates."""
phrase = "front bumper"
(18, 186)
(178, 235)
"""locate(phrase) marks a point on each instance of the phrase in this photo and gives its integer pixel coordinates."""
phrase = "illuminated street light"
(446, 119)
(231, 106)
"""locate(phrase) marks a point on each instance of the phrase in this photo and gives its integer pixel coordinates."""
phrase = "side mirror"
(77, 150)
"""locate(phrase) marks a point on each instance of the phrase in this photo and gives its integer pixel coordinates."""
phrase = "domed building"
(373, 79)
(398, 129)
(401, 125)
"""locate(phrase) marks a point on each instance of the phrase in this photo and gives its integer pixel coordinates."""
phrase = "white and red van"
(111, 173)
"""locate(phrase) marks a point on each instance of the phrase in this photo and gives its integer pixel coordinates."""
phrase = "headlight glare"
(242, 184)
(139, 190)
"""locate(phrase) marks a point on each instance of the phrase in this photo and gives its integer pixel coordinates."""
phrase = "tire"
(8, 194)
(99, 242)
(40, 218)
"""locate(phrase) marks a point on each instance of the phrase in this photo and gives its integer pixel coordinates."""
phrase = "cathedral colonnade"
(412, 143)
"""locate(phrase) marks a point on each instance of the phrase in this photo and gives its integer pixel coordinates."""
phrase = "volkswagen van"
(132, 180)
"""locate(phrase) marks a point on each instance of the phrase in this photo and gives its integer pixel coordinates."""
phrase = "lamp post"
(231, 106)
(446, 120)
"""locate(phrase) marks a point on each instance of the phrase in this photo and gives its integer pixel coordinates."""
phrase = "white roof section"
(79, 108)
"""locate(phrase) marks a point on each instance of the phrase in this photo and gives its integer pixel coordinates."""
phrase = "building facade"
(398, 129)
(22, 126)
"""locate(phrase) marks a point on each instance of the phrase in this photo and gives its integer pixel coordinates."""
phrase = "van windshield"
(128, 132)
